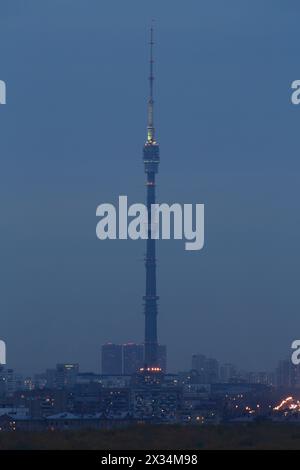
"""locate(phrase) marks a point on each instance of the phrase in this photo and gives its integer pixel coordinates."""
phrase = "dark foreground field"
(254, 436)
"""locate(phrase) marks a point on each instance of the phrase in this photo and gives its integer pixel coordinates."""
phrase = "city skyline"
(119, 362)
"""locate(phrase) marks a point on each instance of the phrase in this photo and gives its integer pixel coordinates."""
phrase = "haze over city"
(72, 134)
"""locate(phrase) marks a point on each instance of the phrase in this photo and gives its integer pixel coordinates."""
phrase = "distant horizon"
(28, 373)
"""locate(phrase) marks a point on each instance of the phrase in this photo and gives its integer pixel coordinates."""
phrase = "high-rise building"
(133, 358)
(206, 367)
(40, 380)
(129, 358)
(111, 359)
(198, 364)
(153, 403)
(66, 375)
(8, 381)
(151, 162)
(212, 370)
(261, 377)
(51, 378)
(287, 374)
(227, 372)
(41, 403)
(162, 357)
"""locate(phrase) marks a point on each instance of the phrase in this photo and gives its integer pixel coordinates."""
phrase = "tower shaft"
(151, 295)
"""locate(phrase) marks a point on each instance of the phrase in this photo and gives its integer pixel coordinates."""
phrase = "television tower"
(151, 161)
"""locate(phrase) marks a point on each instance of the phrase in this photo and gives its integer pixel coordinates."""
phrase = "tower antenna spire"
(150, 124)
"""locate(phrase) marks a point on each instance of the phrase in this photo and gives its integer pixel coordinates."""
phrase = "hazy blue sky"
(71, 137)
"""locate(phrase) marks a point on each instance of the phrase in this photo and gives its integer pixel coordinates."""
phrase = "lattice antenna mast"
(150, 125)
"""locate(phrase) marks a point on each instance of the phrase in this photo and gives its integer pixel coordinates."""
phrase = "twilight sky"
(71, 138)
